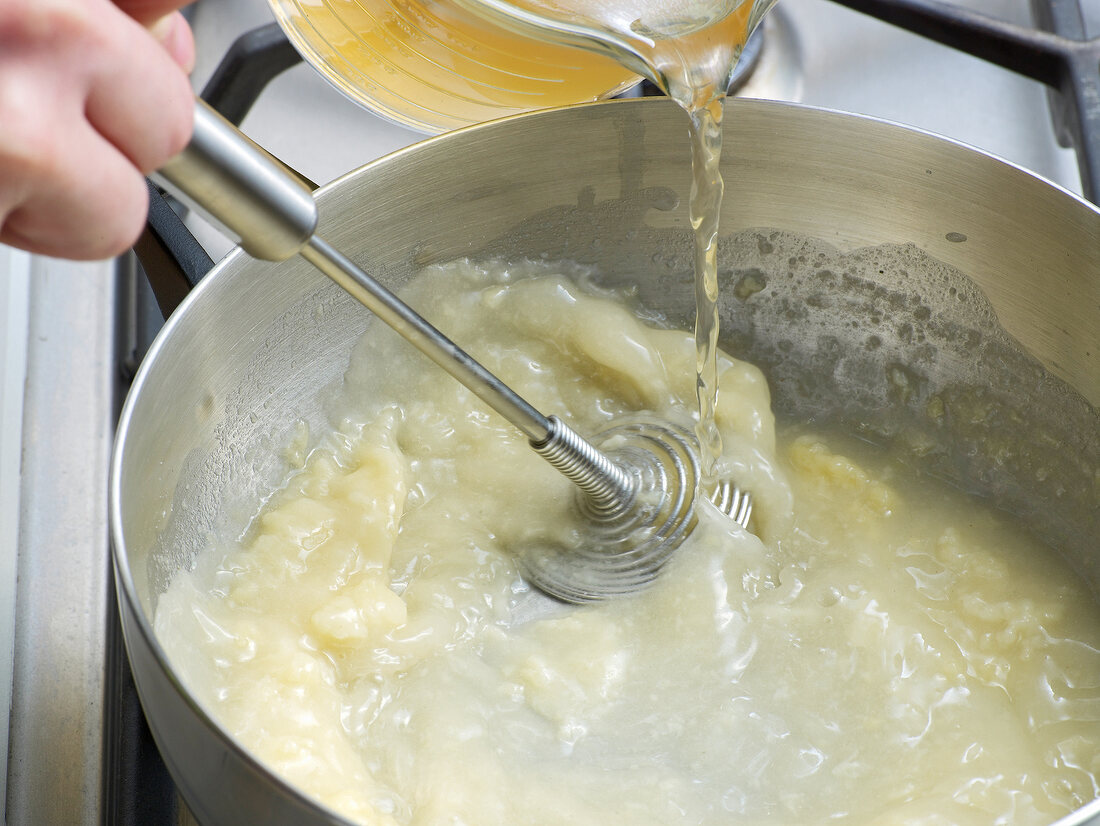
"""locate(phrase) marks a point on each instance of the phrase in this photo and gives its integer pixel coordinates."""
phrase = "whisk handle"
(242, 189)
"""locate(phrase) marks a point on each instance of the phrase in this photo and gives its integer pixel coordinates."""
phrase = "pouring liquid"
(694, 68)
(438, 65)
(690, 49)
(706, 200)
(697, 69)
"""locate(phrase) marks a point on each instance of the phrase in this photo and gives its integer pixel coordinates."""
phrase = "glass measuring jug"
(435, 65)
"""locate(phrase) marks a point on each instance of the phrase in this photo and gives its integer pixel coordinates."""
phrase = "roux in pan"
(886, 652)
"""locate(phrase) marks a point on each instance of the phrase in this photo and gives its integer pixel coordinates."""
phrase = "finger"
(86, 201)
(142, 104)
(89, 108)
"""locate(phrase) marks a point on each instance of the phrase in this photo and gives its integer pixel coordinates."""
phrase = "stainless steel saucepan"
(991, 379)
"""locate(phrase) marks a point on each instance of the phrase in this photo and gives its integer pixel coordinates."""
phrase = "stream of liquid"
(690, 49)
(706, 201)
(694, 64)
(438, 65)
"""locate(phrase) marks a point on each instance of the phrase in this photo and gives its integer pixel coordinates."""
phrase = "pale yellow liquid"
(438, 65)
(694, 68)
(690, 48)
(886, 652)
(433, 66)
(698, 82)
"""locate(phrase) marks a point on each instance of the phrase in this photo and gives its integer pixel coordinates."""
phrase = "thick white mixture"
(887, 654)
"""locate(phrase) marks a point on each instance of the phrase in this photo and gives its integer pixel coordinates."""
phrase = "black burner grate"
(1057, 53)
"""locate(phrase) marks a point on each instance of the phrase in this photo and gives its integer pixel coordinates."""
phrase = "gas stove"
(77, 749)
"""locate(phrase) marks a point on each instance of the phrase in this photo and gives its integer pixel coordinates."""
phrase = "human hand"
(93, 95)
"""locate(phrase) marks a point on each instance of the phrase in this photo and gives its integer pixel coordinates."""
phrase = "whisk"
(637, 481)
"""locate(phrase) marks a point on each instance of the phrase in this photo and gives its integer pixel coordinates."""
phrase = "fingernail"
(174, 34)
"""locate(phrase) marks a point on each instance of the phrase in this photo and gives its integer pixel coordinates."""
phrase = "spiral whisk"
(637, 482)
(633, 523)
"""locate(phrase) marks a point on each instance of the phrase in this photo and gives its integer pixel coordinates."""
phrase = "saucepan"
(1005, 321)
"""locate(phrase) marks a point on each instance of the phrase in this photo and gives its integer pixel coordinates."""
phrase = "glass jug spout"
(685, 47)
